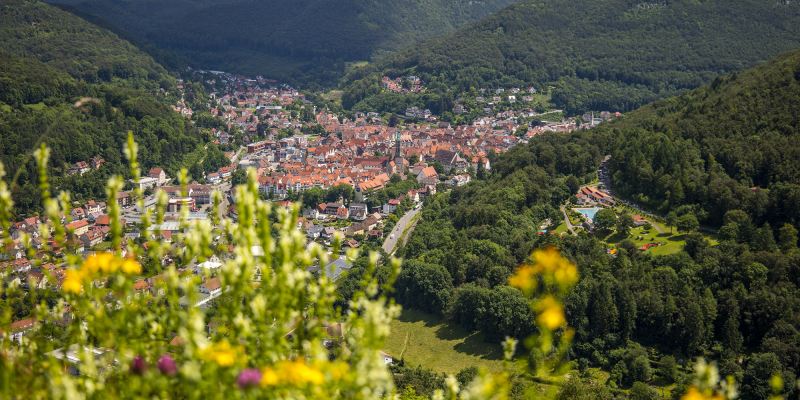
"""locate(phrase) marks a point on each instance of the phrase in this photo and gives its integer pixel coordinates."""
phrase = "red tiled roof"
(77, 224)
(212, 284)
(141, 285)
(23, 324)
(428, 172)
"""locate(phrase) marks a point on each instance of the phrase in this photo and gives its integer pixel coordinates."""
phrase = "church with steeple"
(398, 164)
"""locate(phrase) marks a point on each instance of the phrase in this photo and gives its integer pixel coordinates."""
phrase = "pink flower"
(248, 378)
(138, 365)
(166, 364)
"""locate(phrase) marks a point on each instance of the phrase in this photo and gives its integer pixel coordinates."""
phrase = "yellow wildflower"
(550, 263)
(523, 279)
(694, 394)
(269, 377)
(73, 281)
(104, 262)
(221, 353)
(551, 313)
(567, 273)
(131, 267)
(547, 260)
(298, 373)
(338, 370)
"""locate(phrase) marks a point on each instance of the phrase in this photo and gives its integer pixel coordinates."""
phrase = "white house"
(20, 328)
(147, 182)
(159, 175)
(212, 264)
(391, 206)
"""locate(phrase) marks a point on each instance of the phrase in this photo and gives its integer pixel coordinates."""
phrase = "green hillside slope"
(79, 89)
(732, 145)
(635, 313)
(304, 41)
(601, 55)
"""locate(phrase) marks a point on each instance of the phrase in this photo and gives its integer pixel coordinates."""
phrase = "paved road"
(225, 188)
(391, 241)
(238, 154)
(570, 227)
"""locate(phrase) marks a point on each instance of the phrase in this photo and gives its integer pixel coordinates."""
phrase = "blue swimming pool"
(588, 212)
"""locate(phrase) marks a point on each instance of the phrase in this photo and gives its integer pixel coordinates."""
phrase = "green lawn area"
(562, 228)
(333, 96)
(337, 223)
(575, 217)
(357, 64)
(555, 116)
(424, 339)
(36, 106)
(671, 240)
(540, 99)
(669, 243)
(103, 246)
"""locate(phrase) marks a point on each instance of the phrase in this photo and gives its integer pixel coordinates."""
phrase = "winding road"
(390, 244)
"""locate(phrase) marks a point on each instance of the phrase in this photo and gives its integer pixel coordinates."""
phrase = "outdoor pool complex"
(588, 212)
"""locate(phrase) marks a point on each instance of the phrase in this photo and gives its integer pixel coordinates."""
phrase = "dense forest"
(306, 41)
(598, 55)
(80, 89)
(638, 316)
(733, 145)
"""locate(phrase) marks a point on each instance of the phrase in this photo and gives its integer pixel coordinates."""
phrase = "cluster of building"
(594, 119)
(82, 167)
(501, 95)
(253, 107)
(363, 152)
(593, 196)
(403, 84)
(294, 147)
(365, 156)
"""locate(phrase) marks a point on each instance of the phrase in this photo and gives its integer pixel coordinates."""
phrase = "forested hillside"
(599, 55)
(733, 145)
(79, 89)
(306, 41)
(635, 314)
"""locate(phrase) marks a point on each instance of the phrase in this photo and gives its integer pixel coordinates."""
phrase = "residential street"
(391, 241)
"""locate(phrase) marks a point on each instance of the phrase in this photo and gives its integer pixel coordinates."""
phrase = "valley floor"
(425, 339)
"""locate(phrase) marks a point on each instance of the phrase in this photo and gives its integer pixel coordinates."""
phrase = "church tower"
(359, 196)
(399, 162)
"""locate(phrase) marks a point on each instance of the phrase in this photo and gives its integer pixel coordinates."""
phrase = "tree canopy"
(80, 89)
(596, 55)
(307, 41)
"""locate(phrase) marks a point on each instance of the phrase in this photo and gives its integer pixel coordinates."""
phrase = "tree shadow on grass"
(616, 238)
(471, 343)
(411, 316)
(475, 345)
(678, 238)
(450, 331)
